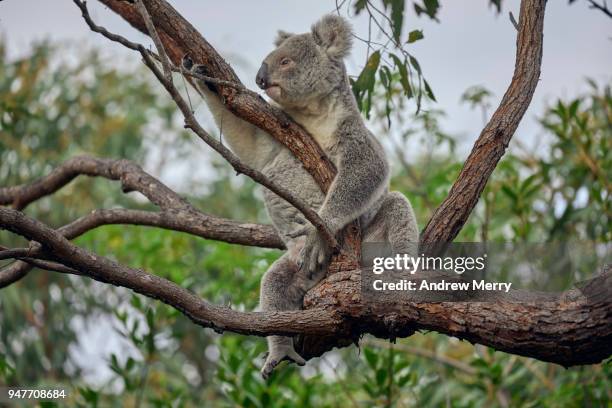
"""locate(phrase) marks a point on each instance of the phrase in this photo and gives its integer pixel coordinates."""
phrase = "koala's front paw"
(314, 254)
(276, 356)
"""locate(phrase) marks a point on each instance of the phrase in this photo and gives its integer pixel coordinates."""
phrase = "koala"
(306, 77)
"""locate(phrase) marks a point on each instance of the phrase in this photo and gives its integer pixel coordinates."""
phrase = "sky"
(472, 45)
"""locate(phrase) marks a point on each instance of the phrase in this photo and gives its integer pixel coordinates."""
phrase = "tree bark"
(448, 219)
(568, 328)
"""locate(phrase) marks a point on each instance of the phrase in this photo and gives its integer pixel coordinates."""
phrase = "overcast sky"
(471, 46)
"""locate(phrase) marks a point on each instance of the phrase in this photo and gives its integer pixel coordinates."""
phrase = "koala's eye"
(285, 61)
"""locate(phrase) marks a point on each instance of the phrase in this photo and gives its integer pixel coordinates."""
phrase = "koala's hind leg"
(282, 288)
(396, 224)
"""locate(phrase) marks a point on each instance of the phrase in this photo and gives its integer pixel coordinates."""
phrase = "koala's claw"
(274, 358)
(187, 62)
(314, 253)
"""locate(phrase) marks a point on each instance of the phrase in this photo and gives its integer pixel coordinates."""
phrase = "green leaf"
(496, 4)
(364, 86)
(381, 376)
(397, 18)
(359, 6)
(574, 108)
(508, 191)
(429, 7)
(370, 357)
(428, 91)
(432, 7)
(403, 71)
(415, 35)
(415, 64)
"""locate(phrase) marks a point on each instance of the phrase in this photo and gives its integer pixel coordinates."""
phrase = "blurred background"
(66, 91)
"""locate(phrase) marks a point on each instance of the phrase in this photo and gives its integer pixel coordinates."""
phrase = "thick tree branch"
(452, 214)
(568, 328)
(199, 311)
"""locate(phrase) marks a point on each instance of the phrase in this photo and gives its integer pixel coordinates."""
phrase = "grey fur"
(306, 77)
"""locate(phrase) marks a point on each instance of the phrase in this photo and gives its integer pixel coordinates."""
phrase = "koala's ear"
(281, 36)
(334, 34)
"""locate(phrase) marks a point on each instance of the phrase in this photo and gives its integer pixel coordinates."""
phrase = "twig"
(601, 7)
(26, 255)
(165, 61)
(98, 29)
(513, 21)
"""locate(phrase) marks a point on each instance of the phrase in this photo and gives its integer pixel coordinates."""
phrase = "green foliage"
(414, 36)
(164, 360)
(385, 61)
(428, 7)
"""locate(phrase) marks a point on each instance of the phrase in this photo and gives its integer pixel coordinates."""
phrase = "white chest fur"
(321, 124)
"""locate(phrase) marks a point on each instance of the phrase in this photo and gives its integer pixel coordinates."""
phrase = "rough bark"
(569, 328)
(448, 219)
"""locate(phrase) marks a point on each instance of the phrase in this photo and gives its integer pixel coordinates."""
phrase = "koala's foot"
(277, 354)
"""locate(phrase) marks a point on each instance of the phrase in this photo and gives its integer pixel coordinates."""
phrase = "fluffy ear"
(281, 36)
(334, 34)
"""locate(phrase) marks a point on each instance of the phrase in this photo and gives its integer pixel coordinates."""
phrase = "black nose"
(262, 76)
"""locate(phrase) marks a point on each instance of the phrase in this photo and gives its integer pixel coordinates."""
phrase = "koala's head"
(306, 67)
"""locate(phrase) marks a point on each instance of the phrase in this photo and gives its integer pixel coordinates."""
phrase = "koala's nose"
(262, 76)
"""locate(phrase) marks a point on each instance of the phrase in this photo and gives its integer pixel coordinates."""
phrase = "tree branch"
(448, 219)
(568, 328)
(191, 222)
(199, 311)
(177, 213)
(132, 178)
